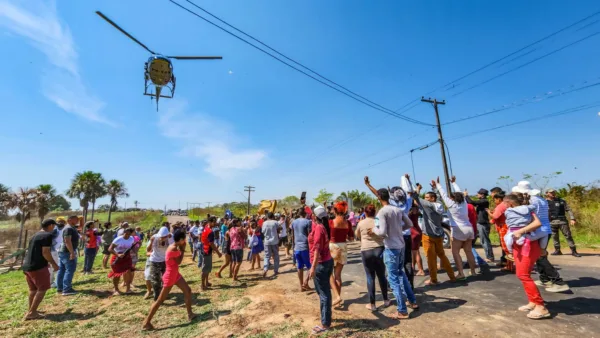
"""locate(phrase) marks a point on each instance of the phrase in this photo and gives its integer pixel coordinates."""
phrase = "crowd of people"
(317, 240)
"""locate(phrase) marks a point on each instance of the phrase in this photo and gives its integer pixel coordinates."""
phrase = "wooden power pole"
(440, 139)
(249, 189)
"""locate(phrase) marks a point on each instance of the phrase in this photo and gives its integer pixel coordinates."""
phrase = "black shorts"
(105, 249)
(237, 255)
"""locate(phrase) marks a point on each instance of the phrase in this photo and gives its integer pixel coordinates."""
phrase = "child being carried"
(519, 215)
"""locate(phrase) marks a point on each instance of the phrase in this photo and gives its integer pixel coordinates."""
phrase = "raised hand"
(367, 180)
(452, 179)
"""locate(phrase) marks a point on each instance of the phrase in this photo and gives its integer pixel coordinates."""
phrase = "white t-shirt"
(121, 244)
(158, 251)
(283, 232)
(58, 240)
(194, 231)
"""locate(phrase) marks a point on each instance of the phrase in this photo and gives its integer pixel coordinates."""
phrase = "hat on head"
(524, 187)
(163, 232)
(125, 223)
(320, 212)
(483, 192)
(60, 219)
(48, 222)
(550, 190)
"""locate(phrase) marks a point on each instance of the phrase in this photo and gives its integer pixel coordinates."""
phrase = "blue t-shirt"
(541, 210)
(301, 228)
(223, 230)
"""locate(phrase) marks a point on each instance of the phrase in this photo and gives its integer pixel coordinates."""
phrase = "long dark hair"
(325, 222)
(458, 197)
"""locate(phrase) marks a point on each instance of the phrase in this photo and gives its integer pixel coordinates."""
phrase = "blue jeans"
(322, 273)
(90, 255)
(66, 271)
(480, 261)
(271, 250)
(394, 262)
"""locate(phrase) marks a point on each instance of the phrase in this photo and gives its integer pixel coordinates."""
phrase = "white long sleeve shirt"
(459, 213)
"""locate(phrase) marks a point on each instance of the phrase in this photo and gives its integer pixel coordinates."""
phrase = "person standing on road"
(549, 276)
(301, 227)
(525, 257)
(371, 251)
(341, 232)
(270, 230)
(433, 235)
(35, 267)
(321, 265)
(558, 221)
(68, 257)
(481, 205)
(461, 229)
(389, 224)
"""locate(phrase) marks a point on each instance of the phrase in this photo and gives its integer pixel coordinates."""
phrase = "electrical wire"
(537, 98)
(537, 118)
(331, 83)
(526, 64)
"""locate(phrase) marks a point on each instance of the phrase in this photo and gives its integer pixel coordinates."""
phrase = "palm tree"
(24, 203)
(44, 197)
(87, 187)
(4, 194)
(115, 189)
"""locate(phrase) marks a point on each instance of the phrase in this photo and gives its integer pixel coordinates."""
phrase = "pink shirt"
(318, 242)
(235, 236)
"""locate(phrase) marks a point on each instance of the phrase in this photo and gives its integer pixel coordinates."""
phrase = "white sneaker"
(544, 284)
(558, 288)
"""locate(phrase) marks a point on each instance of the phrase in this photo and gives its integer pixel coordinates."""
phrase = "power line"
(527, 63)
(537, 118)
(534, 99)
(512, 54)
(343, 89)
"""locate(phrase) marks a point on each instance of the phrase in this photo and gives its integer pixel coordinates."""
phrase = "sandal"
(399, 315)
(526, 308)
(413, 306)
(538, 315)
(318, 330)
(431, 283)
(371, 307)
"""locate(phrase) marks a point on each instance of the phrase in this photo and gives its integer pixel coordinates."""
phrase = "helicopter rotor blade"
(195, 57)
(123, 31)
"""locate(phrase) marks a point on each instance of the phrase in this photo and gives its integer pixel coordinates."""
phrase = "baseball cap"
(483, 192)
(320, 212)
(551, 190)
(163, 232)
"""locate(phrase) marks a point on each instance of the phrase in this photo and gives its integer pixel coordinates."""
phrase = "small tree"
(115, 190)
(324, 197)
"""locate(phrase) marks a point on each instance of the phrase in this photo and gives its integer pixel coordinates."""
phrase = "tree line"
(87, 187)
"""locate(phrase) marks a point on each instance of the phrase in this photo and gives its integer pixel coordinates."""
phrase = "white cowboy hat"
(524, 187)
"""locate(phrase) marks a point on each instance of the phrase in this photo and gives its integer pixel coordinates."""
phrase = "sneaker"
(69, 292)
(544, 284)
(558, 288)
(556, 253)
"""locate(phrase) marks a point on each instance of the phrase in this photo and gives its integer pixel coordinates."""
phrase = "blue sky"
(72, 95)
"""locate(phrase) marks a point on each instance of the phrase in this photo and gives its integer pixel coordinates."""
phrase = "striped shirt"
(541, 210)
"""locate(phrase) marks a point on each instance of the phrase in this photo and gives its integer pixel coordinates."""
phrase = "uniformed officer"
(558, 209)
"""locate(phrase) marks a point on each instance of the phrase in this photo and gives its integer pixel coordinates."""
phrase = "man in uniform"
(558, 220)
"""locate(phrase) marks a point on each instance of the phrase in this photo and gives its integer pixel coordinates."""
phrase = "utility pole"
(249, 189)
(440, 138)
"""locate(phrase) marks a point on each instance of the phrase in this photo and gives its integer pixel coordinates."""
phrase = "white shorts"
(462, 234)
(147, 270)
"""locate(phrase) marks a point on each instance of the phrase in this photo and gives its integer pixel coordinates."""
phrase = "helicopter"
(158, 70)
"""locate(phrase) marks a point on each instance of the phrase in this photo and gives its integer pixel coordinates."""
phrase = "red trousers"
(524, 264)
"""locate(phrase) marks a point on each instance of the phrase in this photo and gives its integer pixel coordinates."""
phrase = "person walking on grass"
(35, 267)
(390, 222)
(270, 229)
(121, 263)
(208, 246)
(91, 246)
(433, 235)
(558, 221)
(371, 250)
(108, 235)
(321, 265)
(173, 258)
(68, 257)
(256, 245)
(155, 263)
(226, 251)
(301, 227)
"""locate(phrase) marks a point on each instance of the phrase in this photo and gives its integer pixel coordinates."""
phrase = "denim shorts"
(237, 255)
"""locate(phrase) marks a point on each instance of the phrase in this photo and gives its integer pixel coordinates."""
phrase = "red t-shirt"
(472, 217)
(260, 222)
(318, 241)
(207, 238)
(92, 241)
